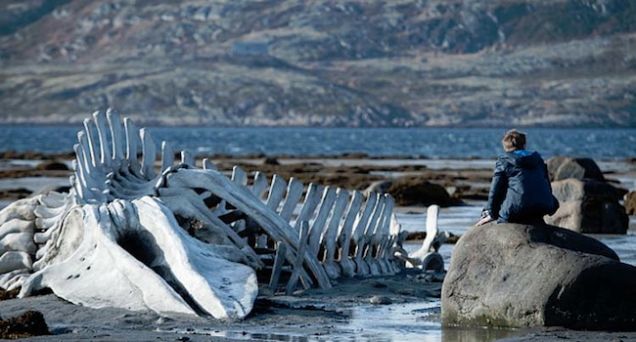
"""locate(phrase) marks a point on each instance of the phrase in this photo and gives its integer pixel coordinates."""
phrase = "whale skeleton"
(164, 235)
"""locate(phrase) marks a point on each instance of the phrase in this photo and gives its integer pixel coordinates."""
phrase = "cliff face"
(330, 63)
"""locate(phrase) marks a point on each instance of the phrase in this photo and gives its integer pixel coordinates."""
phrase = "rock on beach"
(630, 203)
(512, 275)
(52, 165)
(410, 190)
(589, 206)
(578, 168)
(30, 323)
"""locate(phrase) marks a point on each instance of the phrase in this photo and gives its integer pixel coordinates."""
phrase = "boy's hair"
(513, 140)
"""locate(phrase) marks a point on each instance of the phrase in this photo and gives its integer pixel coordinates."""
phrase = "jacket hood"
(524, 159)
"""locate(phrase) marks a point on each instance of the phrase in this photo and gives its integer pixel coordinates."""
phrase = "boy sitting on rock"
(520, 191)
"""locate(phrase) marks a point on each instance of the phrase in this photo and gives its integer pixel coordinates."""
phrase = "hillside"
(328, 63)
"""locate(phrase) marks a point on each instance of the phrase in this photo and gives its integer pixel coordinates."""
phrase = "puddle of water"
(477, 334)
(396, 322)
(410, 321)
(241, 335)
(623, 245)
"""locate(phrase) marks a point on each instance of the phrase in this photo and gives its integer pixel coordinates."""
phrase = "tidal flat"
(410, 308)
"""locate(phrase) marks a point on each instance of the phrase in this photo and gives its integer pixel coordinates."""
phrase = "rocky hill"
(328, 63)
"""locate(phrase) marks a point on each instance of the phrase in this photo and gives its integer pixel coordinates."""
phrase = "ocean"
(598, 143)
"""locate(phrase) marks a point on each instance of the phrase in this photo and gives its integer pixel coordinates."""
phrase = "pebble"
(380, 300)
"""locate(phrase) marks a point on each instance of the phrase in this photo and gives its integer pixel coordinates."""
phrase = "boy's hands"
(485, 218)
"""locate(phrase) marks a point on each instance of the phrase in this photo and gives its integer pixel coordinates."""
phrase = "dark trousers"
(532, 221)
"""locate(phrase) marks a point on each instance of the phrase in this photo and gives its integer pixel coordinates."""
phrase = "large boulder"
(630, 203)
(579, 168)
(589, 206)
(512, 275)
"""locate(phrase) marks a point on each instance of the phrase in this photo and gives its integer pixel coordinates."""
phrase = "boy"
(520, 191)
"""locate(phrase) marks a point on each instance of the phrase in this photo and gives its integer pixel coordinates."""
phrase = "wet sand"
(341, 312)
(344, 313)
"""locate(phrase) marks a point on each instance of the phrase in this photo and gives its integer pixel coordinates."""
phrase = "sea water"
(402, 142)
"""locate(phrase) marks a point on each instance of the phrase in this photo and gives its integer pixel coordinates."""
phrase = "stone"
(271, 161)
(5, 295)
(380, 300)
(380, 187)
(630, 203)
(588, 206)
(52, 165)
(553, 165)
(576, 190)
(30, 323)
(410, 190)
(513, 275)
(579, 168)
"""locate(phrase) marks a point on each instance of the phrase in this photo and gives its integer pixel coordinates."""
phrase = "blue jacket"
(520, 191)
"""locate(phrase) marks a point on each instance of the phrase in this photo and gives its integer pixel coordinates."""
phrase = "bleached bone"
(109, 175)
(183, 239)
(312, 199)
(11, 280)
(298, 262)
(374, 237)
(277, 267)
(260, 184)
(330, 235)
(242, 199)
(169, 256)
(21, 209)
(208, 165)
(327, 223)
(294, 194)
(358, 237)
(275, 196)
(394, 252)
(427, 257)
(379, 239)
(17, 224)
(14, 260)
(347, 266)
(239, 176)
(362, 247)
(318, 226)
